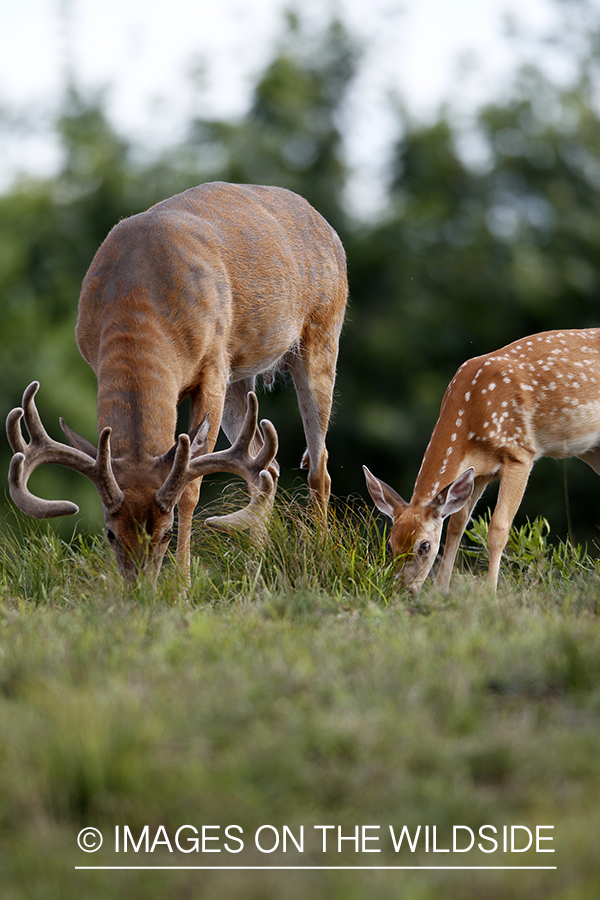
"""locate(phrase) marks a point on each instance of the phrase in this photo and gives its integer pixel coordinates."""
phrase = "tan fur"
(539, 396)
(196, 297)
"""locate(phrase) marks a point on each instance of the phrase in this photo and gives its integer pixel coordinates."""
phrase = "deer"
(536, 397)
(195, 297)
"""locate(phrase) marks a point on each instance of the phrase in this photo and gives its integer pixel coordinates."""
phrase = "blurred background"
(455, 147)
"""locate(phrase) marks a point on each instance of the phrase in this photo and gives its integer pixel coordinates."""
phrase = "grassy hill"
(293, 687)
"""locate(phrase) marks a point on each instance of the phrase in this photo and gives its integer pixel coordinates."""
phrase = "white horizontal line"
(311, 868)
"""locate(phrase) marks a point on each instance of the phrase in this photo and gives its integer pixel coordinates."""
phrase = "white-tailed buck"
(539, 396)
(196, 297)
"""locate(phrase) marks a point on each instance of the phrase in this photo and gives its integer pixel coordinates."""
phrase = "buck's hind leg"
(313, 370)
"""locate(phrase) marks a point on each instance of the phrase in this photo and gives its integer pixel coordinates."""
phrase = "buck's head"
(417, 527)
(139, 498)
(139, 495)
(139, 531)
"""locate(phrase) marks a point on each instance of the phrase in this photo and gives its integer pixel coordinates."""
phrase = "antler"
(236, 459)
(43, 449)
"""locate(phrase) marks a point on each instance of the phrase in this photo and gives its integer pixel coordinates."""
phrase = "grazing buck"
(539, 396)
(196, 297)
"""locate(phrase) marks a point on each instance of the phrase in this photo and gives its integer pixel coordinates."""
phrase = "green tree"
(291, 135)
(50, 229)
(462, 261)
(469, 260)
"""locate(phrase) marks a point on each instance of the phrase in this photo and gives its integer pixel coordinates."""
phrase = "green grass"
(295, 685)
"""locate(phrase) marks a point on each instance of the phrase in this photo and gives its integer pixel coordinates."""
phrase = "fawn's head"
(417, 527)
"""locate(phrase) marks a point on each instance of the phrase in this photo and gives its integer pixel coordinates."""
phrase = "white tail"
(539, 396)
(196, 297)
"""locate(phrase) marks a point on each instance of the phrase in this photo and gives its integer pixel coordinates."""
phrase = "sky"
(161, 61)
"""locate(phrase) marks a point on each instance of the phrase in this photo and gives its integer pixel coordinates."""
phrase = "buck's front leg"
(513, 482)
(208, 398)
(185, 511)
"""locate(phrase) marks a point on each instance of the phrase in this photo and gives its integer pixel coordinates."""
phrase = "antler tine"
(104, 478)
(170, 491)
(236, 459)
(28, 457)
(28, 502)
(43, 449)
(253, 516)
(268, 451)
(254, 469)
(13, 430)
(36, 430)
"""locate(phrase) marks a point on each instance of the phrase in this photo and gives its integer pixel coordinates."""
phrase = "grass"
(294, 685)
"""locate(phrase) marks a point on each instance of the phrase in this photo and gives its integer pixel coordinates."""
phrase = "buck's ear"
(453, 497)
(385, 498)
(75, 440)
(198, 441)
(199, 438)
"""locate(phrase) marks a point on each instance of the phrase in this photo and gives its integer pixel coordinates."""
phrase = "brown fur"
(196, 297)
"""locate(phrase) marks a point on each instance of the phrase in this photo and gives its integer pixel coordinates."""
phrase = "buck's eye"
(111, 536)
(424, 548)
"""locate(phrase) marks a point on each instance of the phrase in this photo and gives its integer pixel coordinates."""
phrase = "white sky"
(144, 50)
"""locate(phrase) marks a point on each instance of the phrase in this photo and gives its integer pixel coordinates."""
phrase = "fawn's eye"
(424, 548)
(111, 536)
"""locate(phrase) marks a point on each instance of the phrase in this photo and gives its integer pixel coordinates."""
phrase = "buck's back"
(238, 265)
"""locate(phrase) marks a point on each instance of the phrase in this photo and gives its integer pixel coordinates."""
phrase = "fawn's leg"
(513, 482)
(454, 532)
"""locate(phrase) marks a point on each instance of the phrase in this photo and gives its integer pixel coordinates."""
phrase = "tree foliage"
(463, 259)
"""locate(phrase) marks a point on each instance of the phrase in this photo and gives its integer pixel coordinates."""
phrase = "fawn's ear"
(453, 497)
(385, 498)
